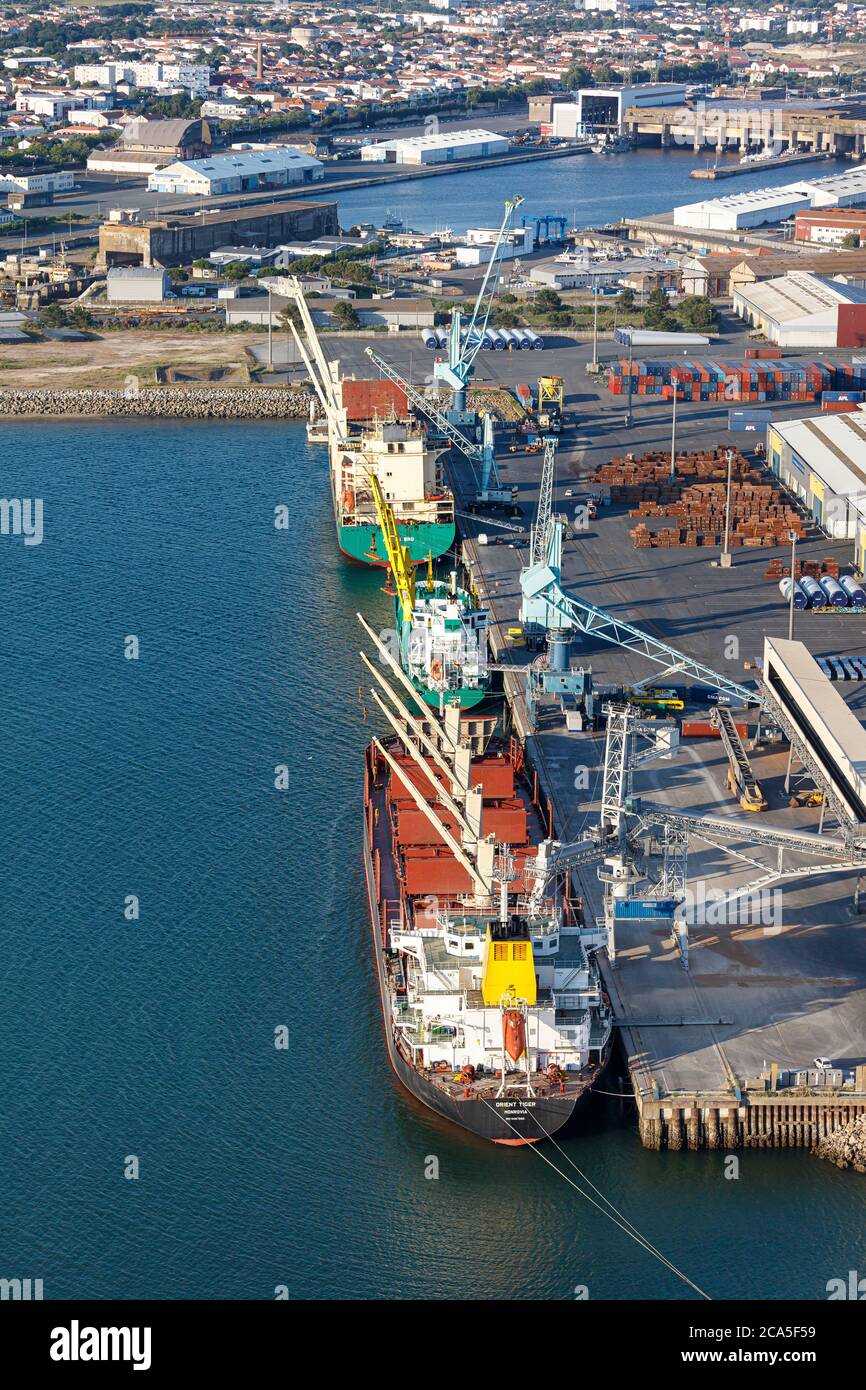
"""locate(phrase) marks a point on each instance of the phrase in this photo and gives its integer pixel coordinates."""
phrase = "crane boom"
(398, 555)
(457, 371)
(544, 516)
(425, 407)
(542, 582)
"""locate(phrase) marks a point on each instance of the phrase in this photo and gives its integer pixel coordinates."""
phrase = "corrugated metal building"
(823, 461)
(446, 148)
(136, 284)
(805, 310)
(241, 169)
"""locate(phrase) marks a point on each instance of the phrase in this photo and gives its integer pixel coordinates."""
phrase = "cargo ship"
(442, 631)
(371, 432)
(492, 1002)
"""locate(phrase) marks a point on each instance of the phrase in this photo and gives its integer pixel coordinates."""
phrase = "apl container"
(813, 591)
(856, 593)
(800, 600)
(836, 596)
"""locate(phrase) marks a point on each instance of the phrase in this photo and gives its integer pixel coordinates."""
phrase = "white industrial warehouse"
(760, 206)
(241, 169)
(823, 461)
(437, 149)
(802, 309)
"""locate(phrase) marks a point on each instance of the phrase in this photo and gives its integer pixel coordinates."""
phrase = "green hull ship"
(366, 546)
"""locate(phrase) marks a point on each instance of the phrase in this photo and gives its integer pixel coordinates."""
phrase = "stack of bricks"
(777, 570)
(760, 513)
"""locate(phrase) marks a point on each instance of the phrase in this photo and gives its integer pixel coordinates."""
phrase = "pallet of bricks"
(752, 380)
(760, 515)
(777, 569)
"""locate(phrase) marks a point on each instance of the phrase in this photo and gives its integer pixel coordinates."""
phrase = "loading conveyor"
(741, 778)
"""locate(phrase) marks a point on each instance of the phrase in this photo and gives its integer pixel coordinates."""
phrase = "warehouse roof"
(799, 295)
(161, 134)
(253, 212)
(834, 447)
(246, 162)
(136, 272)
(442, 141)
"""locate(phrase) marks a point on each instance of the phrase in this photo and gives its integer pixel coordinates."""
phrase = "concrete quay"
(773, 989)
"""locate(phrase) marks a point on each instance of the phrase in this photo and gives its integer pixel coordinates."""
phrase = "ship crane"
(482, 457)
(402, 569)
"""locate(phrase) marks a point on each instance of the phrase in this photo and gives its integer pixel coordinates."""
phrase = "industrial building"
(180, 240)
(56, 181)
(372, 313)
(136, 284)
(446, 148)
(481, 241)
(822, 460)
(761, 206)
(830, 227)
(756, 208)
(605, 107)
(146, 146)
(805, 310)
(242, 169)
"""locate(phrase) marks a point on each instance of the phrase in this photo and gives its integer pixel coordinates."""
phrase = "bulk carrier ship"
(372, 433)
(492, 1001)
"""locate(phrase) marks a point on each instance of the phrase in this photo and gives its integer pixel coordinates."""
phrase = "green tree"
(344, 315)
(852, 241)
(625, 299)
(695, 313)
(657, 312)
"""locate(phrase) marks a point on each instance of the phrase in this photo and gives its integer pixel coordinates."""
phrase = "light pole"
(725, 559)
(594, 363)
(628, 406)
(674, 434)
(793, 536)
(270, 334)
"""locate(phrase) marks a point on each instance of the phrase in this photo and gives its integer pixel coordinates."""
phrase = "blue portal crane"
(464, 344)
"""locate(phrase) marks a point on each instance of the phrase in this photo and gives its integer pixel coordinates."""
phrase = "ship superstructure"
(443, 632)
(493, 1006)
(372, 433)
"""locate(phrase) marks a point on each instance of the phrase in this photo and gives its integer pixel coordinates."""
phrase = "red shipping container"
(702, 728)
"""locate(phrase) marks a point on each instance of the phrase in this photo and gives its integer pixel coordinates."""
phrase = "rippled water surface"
(154, 1038)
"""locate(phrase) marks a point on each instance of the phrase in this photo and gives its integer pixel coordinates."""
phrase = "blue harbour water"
(589, 189)
(155, 1038)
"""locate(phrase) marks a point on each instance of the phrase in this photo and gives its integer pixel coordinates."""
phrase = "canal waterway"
(152, 1038)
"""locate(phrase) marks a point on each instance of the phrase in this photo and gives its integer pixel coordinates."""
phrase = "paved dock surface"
(791, 985)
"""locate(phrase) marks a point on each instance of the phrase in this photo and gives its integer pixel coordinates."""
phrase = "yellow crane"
(398, 555)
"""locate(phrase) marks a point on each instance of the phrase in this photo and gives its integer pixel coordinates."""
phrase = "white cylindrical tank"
(856, 593)
(813, 591)
(429, 339)
(835, 594)
(800, 600)
(535, 339)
